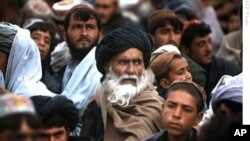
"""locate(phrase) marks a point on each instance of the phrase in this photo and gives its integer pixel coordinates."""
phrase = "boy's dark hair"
(83, 13)
(194, 30)
(13, 122)
(193, 89)
(43, 26)
(56, 111)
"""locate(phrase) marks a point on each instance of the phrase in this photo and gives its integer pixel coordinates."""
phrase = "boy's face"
(180, 113)
(167, 35)
(179, 70)
(54, 134)
(43, 42)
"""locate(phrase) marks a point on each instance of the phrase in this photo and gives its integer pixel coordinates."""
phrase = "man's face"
(43, 41)
(82, 34)
(201, 50)
(180, 113)
(125, 77)
(167, 35)
(3, 61)
(106, 9)
(128, 62)
(54, 134)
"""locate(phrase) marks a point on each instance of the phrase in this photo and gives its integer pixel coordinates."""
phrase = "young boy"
(182, 110)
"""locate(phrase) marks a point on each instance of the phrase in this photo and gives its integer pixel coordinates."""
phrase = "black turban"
(120, 40)
(57, 108)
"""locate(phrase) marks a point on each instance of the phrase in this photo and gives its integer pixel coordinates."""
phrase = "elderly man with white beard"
(126, 106)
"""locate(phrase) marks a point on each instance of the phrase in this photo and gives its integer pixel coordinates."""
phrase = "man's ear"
(152, 39)
(164, 83)
(199, 118)
(106, 67)
(64, 36)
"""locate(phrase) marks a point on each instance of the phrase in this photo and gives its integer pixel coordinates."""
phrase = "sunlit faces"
(82, 34)
(201, 50)
(106, 9)
(54, 134)
(125, 77)
(167, 35)
(180, 113)
(178, 70)
(43, 41)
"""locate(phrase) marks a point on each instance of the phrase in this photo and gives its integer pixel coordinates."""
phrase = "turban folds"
(120, 40)
(231, 92)
(58, 107)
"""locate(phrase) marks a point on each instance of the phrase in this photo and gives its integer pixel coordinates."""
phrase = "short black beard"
(79, 54)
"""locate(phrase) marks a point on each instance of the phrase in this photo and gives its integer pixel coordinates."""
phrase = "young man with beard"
(81, 77)
(126, 107)
(197, 44)
(166, 28)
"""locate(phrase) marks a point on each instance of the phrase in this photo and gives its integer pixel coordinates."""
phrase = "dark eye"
(137, 62)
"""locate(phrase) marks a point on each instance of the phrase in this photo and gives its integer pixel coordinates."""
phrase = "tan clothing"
(231, 46)
(141, 118)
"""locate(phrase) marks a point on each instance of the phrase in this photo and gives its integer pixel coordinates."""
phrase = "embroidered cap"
(11, 104)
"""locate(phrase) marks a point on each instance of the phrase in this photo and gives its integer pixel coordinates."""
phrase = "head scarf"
(57, 106)
(120, 40)
(160, 64)
(231, 92)
(23, 71)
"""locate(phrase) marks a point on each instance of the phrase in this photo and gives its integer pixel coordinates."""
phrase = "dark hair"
(13, 122)
(235, 107)
(83, 14)
(192, 88)
(218, 128)
(165, 74)
(43, 26)
(161, 22)
(194, 30)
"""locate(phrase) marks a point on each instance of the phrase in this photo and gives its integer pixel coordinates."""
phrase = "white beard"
(121, 94)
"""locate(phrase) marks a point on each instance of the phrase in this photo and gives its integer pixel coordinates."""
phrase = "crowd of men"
(96, 70)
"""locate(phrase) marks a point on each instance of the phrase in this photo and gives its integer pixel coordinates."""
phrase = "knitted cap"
(156, 15)
(11, 104)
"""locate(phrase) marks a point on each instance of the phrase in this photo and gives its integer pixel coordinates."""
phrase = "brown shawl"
(141, 118)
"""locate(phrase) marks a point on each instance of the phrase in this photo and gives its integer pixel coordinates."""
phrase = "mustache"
(83, 38)
(126, 76)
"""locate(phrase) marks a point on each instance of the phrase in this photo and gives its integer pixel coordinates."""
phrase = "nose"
(177, 113)
(84, 31)
(41, 42)
(130, 69)
(188, 75)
